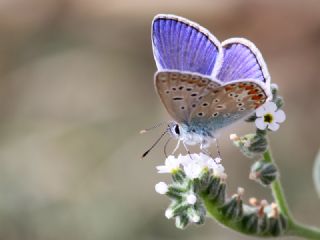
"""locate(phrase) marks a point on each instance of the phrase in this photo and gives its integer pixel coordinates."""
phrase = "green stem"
(278, 191)
(295, 228)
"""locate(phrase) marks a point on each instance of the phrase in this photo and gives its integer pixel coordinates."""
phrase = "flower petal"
(274, 126)
(193, 170)
(270, 107)
(260, 124)
(260, 111)
(280, 116)
(163, 169)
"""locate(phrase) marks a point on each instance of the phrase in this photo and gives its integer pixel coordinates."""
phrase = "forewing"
(179, 44)
(242, 60)
(181, 92)
(228, 103)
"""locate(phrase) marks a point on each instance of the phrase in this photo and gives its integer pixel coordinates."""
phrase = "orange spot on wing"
(256, 97)
(253, 91)
(228, 88)
(249, 88)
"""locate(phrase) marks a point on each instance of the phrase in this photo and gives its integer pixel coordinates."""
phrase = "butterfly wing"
(227, 104)
(179, 44)
(181, 92)
(242, 60)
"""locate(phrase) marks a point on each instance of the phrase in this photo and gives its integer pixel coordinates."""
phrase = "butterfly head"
(190, 135)
(174, 129)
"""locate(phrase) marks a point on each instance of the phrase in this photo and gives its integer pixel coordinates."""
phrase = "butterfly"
(205, 85)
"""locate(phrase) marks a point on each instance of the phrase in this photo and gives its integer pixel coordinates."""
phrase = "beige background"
(76, 86)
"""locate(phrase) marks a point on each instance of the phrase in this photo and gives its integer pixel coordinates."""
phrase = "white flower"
(216, 166)
(191, 199)
(269, 117)
(193, 170)
(194, 164)
(161, 188)
(218, 170)
(171, 165)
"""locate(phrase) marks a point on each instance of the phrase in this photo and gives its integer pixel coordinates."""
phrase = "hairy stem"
(295, 228)
(277, 190)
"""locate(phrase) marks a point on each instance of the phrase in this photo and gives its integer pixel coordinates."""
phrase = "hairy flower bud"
(182, 221)
(217, 189)
(178, 176)
(233, 208)
(264, 173)
(251, 144)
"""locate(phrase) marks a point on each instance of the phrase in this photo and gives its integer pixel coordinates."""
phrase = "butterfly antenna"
(153, 127)
(155, 143)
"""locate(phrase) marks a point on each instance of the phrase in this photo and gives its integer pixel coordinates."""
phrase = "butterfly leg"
(177, 146)
(218, 148)
(204, 148)
(188, 151)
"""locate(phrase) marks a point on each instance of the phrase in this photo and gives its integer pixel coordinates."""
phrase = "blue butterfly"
(205, 85)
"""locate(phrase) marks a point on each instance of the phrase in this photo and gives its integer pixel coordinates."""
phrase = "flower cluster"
(191, 175)
(193, 165)
(199, 180)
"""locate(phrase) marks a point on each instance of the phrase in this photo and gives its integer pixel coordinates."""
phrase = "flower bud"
(274, 89)
(213, 188)
(250, 222)
(178, 176)
(161, 188)
(233, 208)
(168, 213)
(264, 173)
(255, 220)
(201, 211)
(204, 180)
(278, 223)
(182, 221)
(253, 223)
(193, 215)
(176, 209)
(258, 144)
(175, 192)
(251, 144)
(217, 189)
(221, 197)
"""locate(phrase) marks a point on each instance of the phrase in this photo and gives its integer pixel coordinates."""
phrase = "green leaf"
(316, 173)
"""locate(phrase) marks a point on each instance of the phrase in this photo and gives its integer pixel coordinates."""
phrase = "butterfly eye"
(176, 129)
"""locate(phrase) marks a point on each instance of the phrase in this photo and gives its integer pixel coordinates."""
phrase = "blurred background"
(76, 86)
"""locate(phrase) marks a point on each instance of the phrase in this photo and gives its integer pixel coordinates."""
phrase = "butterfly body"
(205, 85)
